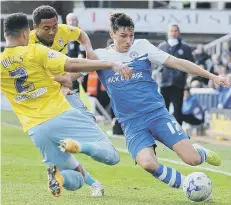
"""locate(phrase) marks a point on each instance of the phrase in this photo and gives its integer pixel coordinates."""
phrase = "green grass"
(24, 179)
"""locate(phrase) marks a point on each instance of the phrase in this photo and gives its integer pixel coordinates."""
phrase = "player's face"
(173, 32)
(123, 39)
(47, 30)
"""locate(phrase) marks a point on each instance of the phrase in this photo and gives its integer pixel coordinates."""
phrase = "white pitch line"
(159, 158)
(182, 163)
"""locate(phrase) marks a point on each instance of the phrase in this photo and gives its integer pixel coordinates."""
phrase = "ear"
(111, 34)
(25, 34)
(34, 26)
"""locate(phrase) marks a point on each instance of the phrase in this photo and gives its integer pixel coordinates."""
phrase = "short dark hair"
(15, 23)
(43, 12)
(175, 25)
(119, 20)
(187, 88)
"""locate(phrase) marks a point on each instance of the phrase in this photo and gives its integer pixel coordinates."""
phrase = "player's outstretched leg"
(101, 151)
(69, 179)
(148, 161)
(96, 187)
(194, 154)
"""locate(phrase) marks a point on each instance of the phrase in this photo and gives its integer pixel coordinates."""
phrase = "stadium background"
(213, 16)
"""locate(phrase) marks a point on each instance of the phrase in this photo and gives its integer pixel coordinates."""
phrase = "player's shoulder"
(141, 42)
(36, 49)
(66, 28)
(102, 50)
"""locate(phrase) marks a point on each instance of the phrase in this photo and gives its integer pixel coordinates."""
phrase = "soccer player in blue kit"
(140, 108)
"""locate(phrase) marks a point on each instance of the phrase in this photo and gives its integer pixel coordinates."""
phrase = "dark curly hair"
(43, 12)
(120, 20)
(15, 23)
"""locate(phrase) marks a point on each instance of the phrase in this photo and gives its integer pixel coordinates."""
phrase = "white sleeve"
(155, 55)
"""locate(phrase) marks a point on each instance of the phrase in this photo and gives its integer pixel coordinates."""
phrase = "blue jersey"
(139, 95)
(191, 106)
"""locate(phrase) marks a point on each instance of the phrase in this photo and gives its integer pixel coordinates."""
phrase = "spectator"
(204, 60)
(200, 55)
(173, 81)
(74, 49)
(224, 98)
(73, 46)
(95, 88)
(192, 112)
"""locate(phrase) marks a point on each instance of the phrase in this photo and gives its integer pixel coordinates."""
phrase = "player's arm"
(85, 41)
(65, 80)
(59, 64)
(192, 68)
(160, 57)
(75, 33)
(87, 65)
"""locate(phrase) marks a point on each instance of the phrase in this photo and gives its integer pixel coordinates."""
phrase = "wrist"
(212, 76)
(109, 64)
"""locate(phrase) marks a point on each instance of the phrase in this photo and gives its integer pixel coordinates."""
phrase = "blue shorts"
(75, 102)
(71, 124)
(141, 132)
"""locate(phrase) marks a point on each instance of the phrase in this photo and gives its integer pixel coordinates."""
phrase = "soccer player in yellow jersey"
(49, 33)
(27, 81)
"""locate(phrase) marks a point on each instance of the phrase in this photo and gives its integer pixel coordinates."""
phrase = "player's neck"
(117, 49)
(14, 43)
(45, 43)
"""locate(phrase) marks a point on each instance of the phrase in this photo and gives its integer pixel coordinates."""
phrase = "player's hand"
(122, 69)
(64, 80)
(66, 91)
(90, 53)
(222, 81)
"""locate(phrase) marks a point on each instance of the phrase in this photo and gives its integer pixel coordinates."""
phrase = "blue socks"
(89, 180)
(169, 176)
(202, 153)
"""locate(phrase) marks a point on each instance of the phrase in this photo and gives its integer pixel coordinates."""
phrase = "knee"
(149, 164)
(192, 159)
(74, 181)
(114, 159)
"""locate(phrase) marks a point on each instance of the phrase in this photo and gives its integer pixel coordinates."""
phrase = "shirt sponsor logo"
(34, 94)
(61, 41)
(118, 78)
(52, 54)
(133, 54)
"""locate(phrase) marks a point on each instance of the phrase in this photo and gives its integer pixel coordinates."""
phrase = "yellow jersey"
(64, 34)
(27, 81)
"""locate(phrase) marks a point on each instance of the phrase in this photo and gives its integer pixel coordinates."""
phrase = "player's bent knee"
(149, 164)
(114, 160)
(192, 160)
(74, 181)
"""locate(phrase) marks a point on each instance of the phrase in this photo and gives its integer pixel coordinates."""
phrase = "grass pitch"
(24, 179)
